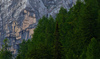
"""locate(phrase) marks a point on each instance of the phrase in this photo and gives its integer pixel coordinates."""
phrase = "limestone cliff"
(18, 18)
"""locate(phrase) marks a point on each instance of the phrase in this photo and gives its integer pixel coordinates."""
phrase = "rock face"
(18, 18)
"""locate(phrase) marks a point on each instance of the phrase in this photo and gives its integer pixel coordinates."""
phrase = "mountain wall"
(18, 18)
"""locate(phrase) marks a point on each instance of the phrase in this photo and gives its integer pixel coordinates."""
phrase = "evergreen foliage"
(93, 50)
(5, 53)
(73, 34)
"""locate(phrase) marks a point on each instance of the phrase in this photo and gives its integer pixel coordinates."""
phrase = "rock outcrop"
(18, 18)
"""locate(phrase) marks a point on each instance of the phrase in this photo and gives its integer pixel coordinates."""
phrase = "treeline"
(71, 35)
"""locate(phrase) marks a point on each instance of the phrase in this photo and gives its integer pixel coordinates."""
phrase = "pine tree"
(23, 49)
(98, 3)
(5, 53)
(93, 50)
(42, 41)
(88, 19)
(74, 37)
(57, 44)
(98, 27)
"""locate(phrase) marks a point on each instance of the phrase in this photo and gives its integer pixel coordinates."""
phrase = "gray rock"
(15, 10)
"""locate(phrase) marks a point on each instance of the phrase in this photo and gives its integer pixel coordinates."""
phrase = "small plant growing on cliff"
(5, 53)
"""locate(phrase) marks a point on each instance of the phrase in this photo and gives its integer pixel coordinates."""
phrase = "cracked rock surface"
(19, 11)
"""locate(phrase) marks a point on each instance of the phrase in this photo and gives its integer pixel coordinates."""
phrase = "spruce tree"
(97, 30)
(88, 17)
(57, 44)
(5, 53)
(42, 41)
(93, 50)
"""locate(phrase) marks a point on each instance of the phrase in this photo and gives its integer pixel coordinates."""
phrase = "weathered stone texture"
(18, 18)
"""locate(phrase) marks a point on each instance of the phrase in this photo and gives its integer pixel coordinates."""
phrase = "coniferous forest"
(73, 34)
